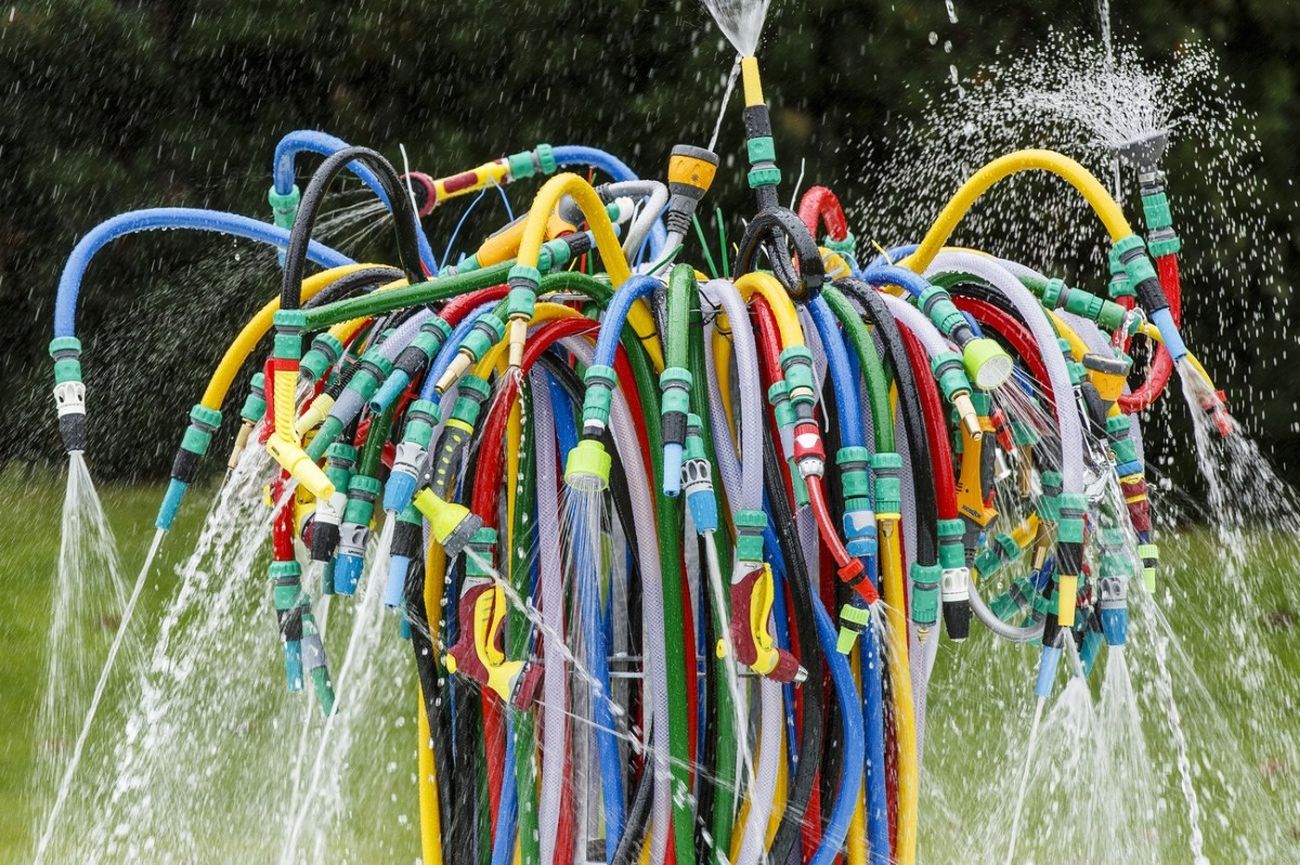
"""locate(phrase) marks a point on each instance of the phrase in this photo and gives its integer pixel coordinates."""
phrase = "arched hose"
(407, 227)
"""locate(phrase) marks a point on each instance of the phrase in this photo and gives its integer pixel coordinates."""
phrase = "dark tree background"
(107, 106)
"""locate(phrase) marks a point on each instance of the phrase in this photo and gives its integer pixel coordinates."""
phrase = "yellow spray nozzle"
(692, 167)
(293, 459)
(752, 83)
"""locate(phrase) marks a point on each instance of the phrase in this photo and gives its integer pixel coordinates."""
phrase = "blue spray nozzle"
(390, 390)
(395, 588)
(347, 573)
(672, 469)
(398, 491)
(1114, 624)
(171, 503)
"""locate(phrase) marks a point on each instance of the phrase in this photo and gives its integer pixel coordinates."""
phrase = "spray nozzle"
(1145, 151)
(690, 174)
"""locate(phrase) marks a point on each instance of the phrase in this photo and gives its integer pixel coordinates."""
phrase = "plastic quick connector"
(855, 617)
(252, 411)
(284, 207)
(410, 455)
(411, 361)
(340, 458)
(697, 479)
(1106, 313)
(451, 523)
(1112, 587)
(937, 305)
(1119, 285)
(325, 351)
(1150, 555)
(69, 392)
(354, 532)
(859, 518)
(289, 601)
(1132, 254)
(487, 331)
(950, 372)
(955, 585)
(1069, 554)
(314, 662)
(887, 484)
(924, 606)
(408, 537)
(600, 382)
(800, 379)
(521, 301)
(204, 422)
(675, 385)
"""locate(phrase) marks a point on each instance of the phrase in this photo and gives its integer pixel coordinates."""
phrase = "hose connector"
(487, 331)
(752, 595)
(1107, 314)
(252, 411)
(355, 532)
(451, 523)
(887, 485)
(410, 455)
(924, 599)
(600, 382)
(675, 384)
(697, 479)
(69, 392)
(204, 422)
(1069, 554)
(411, 361)
(521, 301)
(950, 372)
(859, 519)
(284, 206)
(339, 461)
(954, 587)
(289, 602)
(764, 175)
(325, 351)
(1112, 587)
(314, 661)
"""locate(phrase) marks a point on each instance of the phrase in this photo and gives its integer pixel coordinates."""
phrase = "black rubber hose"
(768, 231)
(366, 279)
(295, 256)
(810, 737)
(927, 514)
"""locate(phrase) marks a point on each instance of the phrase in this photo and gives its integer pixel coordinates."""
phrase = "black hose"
(366, 279)
(769, 231)
(810, 739)
(927, 513)
(295, 256)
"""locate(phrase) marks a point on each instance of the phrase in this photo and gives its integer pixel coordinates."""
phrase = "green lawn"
(1234, 670)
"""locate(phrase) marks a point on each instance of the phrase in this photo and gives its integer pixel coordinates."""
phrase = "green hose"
(873, 368)
(519, 628)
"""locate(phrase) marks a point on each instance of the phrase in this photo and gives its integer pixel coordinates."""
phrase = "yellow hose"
(900, 689)
(1106, 208)
(430, 819)
(588, 201)
(257, 327)
(770, 289)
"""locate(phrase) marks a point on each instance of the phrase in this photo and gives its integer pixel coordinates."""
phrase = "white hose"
(654, 657)
(1002, 280)
(555, 671)
(748, 493)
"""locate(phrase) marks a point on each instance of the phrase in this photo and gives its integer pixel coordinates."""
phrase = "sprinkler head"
(587, 469)
(987, 364)
(1145, 151)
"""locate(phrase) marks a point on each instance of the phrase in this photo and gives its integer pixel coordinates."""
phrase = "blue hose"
(611, 323)
(312, 141)
(846, 796)
(157, 218)
(447, 353)
(892, 274)
(503, 845)
(844, 380)
(894, 254)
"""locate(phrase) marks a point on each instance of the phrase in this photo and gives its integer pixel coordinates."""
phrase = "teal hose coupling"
(204, 422)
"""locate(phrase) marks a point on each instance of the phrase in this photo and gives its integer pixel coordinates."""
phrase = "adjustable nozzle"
(954, 586)
(987, 364)
(407, 539)
(690, 174)
(451, 523)
(479, 651)
(587, 468)
(697, 479)
(1145, 151)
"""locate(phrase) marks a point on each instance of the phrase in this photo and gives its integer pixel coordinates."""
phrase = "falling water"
(741, 21)
(88, 593)
(1030, 756)
(726, 100)
(74, 762)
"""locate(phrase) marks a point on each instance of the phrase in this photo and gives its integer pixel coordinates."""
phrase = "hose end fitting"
(987, 364)
(690, 174)
(69, 392)
(587, 468)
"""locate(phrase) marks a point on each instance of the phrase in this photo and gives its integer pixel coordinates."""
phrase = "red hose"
(936, 428)
(1162, 365)
(819, 206)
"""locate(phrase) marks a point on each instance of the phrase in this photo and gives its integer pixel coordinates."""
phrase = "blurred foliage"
(115, 105)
